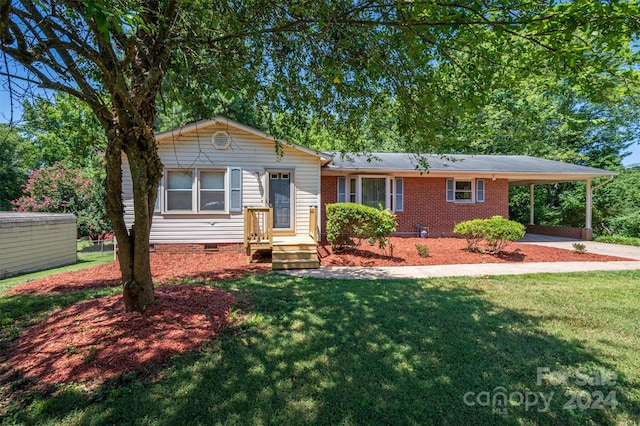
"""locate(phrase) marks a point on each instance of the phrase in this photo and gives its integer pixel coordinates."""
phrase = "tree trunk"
(133, 244)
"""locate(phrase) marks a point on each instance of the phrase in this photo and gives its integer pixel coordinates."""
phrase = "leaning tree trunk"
(133, 242)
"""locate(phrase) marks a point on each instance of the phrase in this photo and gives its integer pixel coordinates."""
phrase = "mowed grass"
(86, 259)
(342, 352)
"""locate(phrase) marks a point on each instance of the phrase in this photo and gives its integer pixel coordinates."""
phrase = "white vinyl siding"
(35, 241)
(247, 162)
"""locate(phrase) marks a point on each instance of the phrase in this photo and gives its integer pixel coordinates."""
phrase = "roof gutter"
(602, 183)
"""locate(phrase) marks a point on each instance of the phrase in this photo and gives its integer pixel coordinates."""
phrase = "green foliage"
(472, 230)
(613, 239)
(498, 232)
(423, 250)
(12, 174)
(346, 221)
(579, 248)
(62, 130)
(617, 205)
(59, 189)
(625, 226)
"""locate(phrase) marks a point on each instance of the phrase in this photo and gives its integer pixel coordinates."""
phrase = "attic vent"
(221, 140)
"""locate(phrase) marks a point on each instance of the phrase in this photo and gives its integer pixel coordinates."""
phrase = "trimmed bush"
(423, 250)
(626, 226)
(349, 223)
(614, 239)
(498, 232)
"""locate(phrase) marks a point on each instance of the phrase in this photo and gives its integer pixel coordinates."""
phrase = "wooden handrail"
(313, 223)
(258, 225)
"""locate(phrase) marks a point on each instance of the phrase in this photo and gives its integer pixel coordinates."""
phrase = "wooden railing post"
(258, 225)
(313, 223)
(246, 227)
(270, 226)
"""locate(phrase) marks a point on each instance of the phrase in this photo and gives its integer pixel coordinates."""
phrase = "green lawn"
(86, 259)
(385, 352)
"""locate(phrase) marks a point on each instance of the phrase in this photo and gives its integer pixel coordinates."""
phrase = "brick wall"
(562, 231)
(185, 248)
(425, 203)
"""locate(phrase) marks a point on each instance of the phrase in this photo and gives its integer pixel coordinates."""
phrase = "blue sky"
(5, 115)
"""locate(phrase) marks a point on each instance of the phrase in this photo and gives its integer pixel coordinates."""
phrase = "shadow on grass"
(355, 352)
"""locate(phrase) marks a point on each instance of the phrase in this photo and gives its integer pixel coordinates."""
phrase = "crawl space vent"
(221, 140)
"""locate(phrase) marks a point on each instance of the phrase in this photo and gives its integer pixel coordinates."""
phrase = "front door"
(280, 199)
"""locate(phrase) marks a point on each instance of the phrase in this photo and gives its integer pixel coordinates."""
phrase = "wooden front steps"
(294, 253)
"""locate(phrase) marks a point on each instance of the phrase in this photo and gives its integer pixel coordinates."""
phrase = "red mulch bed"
(449, 251)
(165, 268)
(96, 340)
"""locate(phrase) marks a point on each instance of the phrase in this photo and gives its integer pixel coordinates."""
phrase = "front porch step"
(295, 264)
(287, 247)
(294, 255)
(307, 254)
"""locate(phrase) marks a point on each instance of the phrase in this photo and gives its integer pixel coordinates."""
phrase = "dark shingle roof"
(517, 169)
(457, 163)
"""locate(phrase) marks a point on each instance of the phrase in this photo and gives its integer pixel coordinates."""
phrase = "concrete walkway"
(389, 272)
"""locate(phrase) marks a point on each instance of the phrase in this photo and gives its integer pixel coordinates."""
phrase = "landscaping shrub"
(626, 226)
(349, 223)
(628, 241)
(472, 230)
(59, 189)
(579, 248)
(498, 232)
(423, 250)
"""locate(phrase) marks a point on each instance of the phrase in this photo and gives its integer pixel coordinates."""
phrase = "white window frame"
(196, 191)
(349, 188)
(478, 190)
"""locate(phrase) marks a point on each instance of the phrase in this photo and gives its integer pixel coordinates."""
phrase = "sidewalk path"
(390, 272)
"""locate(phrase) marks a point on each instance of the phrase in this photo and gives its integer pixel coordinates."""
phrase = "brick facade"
(562, 231)
(425, 203)
(186, 248)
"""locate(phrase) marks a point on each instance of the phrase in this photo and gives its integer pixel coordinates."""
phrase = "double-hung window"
(465, 190)
(203, 190)
(179, 190)
(212, 190)
(372, 191)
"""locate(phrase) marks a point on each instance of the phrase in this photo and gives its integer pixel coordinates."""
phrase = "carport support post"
(589, 203)
(531, 205)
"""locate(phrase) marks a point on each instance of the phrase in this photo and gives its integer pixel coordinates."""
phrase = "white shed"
(34, 241)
